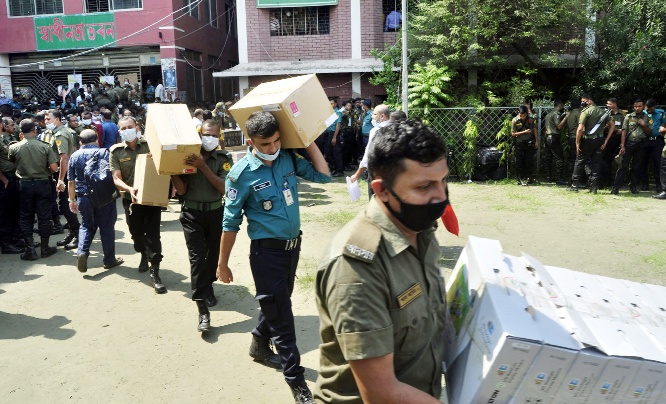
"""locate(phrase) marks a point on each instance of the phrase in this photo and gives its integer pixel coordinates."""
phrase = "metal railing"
(450, 123)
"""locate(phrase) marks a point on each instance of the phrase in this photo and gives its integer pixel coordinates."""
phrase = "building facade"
(43, 41)
(333, 38)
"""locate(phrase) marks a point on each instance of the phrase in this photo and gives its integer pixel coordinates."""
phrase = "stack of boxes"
(529, 333)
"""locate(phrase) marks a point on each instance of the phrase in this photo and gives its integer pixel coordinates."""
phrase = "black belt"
(274, 244)
(654, 137)
(9, 174)
(203, 206)
(34, 179)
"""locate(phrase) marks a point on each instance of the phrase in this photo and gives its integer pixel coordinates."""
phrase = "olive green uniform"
(75, 135)
(91, 127)
(590, 146)
(376, 295)
(61, 140)
(554, 144)
(635, 149)
(9, 196)
(201, 217)
(523, 152)
(123, 158)
(32, 158)
(612, 148)
(220, 120)
(572, 128)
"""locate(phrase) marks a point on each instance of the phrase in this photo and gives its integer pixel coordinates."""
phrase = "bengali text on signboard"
(78, 31)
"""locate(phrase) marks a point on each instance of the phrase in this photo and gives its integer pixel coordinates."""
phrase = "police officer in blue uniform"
(654, 146)
(263, 185)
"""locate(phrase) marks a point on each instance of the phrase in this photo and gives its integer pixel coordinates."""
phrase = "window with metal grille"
(19, 8)
(300, 21)
(213, 13)
(97, 6)
(193, 9)
(392, 10)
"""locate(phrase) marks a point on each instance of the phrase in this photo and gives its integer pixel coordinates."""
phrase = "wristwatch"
(71, 201)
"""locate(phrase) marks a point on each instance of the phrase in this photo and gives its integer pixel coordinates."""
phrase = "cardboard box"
(300, 105)
(171, 138)
(153, 188)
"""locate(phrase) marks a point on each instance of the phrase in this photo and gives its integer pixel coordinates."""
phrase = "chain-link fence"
(450, 123)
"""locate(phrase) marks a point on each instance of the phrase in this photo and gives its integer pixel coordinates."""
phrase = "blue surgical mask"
(267, 157)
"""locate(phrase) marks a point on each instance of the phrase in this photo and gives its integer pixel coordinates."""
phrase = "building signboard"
(295, 3)
(79, 31)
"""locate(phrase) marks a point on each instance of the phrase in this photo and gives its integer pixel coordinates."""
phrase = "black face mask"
(417, 217)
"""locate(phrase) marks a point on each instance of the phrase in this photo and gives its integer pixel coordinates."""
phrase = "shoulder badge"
(226, 166)
(232, 193)
(363, 241)
(59, 142)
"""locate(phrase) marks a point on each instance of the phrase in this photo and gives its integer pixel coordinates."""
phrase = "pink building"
(333, 38)
(148, 41)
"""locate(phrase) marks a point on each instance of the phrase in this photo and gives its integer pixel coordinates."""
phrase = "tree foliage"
(427, 86)
(469, 153)
(630, 58)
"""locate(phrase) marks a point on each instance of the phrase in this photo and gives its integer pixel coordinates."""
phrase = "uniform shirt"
(110, 134)
(519, 125)
(229, 122)
(658, 119)
(77, 165)
(376, 295)
(33, 158)
(553, 119)
(6, 166)
(572, 122)
(367, 123)
(75, 134)
(199, 189)
(60, 140)
(635, 132)
(334, 124)
(346, 121)
(618, 119)
(255, 189)
(589, 117)
(123, 158)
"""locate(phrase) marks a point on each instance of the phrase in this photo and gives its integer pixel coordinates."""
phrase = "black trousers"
(35, 198)
(55, 207)
(321, 144)
(554, 151)
(274, 272)
(662, 173)
(572, 154)
(63, 209)
(653, 148)
(608, 156)
(349, 147)
(334, 153)
(589, 149)
(523, 155)
(144, 226)
(9, 211)
(203, 231)
(634, 153)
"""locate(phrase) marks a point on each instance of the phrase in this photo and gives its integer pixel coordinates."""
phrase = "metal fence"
(450, 123)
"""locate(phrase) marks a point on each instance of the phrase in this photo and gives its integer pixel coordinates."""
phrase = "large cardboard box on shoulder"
(171, 137)
(153, 188)
(299, 104)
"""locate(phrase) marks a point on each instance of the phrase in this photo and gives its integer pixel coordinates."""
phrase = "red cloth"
(450, 220)
(100, 133)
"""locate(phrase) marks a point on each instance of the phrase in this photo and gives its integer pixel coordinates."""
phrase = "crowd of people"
(606, 145)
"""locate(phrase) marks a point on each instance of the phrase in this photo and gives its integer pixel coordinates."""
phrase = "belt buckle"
(290, 244)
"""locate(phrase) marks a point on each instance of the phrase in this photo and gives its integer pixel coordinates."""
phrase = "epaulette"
(116, 146)
(363, 240)
(237, 169)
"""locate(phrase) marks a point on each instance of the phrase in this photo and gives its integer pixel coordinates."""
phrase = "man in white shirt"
(197, 119)
(159, 91)
(380, 119)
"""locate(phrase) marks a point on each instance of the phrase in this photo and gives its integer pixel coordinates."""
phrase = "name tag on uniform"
(288, 198)
(261, 186)
(409, 295)
(125, 159)
(618, 123)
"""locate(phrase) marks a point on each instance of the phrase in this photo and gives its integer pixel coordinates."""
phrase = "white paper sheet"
(354, 190)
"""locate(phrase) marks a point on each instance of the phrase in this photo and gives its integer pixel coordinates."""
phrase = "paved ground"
(105, 337)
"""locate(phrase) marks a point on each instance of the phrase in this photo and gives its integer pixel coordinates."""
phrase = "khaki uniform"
(199, 189)
(519, 125)
(123, 158)
(553, 119)
(377, 295)
(60, 139)
(30, 156)
(572, 122)
(635, 131)
(589, 117)
(6, 165)
(75, 135)
(221, 121)
(619, 120)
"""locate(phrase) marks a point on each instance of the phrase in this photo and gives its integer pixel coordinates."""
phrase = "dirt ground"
(106, 337)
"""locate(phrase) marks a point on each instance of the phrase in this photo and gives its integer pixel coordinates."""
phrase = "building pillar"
(241, 18)
(355, 30)
(243, 85)
(5, 75)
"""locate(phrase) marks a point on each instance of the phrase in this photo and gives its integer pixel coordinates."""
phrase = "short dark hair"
(56, 114)
(198, 111)
(40, 116)
(575, 102)
(639, 100)
(522, 109)
(397, 116)
(106, 113)
(207, 114)
(88, 136)
(96, 108)
(588, 96)
(27, 126)
(557, 103)
(261, 124)
(7, 120)
(70, 116)
(410, 139)
(367, 103)
(210, 122)
(86, 112)
(650, 103)
(613, 100)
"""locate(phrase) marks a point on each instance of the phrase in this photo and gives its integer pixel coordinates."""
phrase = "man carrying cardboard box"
(202, 214)
(263, 184)
(143, 221)
(380, 294)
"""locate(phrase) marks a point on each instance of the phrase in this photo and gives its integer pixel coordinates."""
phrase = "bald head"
(88, 136)
(383, 111)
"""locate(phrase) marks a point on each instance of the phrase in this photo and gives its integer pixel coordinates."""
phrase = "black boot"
(143, 265)
(633, 189)
(302, 394)
(46, 250)
(30, 254)
(574, 186)
(260, 351)
(204, 316)
(11, 249)
(68, 239)
(593, 187)
(615, 190)
(74, 243)
(155, 279)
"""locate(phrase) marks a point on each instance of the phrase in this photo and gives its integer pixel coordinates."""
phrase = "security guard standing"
(143, 220)
(523, 130)
(367, 125)
(35, 161)
(636, 128)
(263, 185)
(654, 146)
(572, 128)
(230, 122)
(380, 294)
(555, 121)
(60, 139)
(202, 215)
(9, 194)
(75, 129)
(219, 115)
(611, 146)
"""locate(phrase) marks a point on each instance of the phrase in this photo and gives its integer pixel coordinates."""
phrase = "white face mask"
(86, 121)
(209, 143)
(120, 106)
(50, 126)
(267, 157)
(128, 135)
(139, 134)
